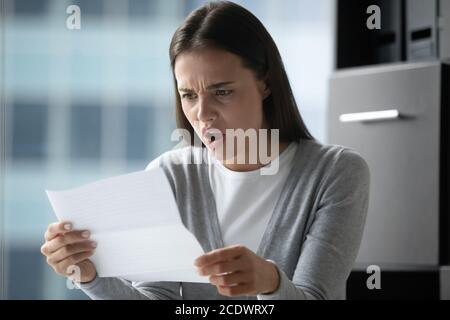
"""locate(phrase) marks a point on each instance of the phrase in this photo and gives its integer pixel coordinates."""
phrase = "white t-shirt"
(245, 200)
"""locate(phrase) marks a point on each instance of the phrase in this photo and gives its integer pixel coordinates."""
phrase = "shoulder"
(335, 161)
(179, 156)
(334, 154)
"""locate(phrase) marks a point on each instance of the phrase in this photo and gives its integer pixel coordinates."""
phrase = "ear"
(267, 91)
(264, 88)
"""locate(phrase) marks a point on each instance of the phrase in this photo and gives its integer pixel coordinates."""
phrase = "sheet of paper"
(135, 220)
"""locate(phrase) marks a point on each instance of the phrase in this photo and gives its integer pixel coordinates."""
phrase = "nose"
(205, 110)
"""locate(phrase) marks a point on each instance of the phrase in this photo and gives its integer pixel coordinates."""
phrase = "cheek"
(189, 112)
(247, 112)
(190, 116)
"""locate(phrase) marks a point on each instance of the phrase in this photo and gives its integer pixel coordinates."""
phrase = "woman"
(291, 234)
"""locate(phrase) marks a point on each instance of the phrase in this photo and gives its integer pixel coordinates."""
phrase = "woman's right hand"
(65, 248)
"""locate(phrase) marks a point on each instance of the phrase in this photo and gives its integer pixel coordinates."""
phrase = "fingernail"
(85, 234)
(199, 271)
(68, 226)
(94, 244)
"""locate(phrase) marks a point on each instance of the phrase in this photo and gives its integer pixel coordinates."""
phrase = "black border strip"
(444, 183)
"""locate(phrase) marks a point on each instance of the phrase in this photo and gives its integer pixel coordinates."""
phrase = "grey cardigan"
(313, 235)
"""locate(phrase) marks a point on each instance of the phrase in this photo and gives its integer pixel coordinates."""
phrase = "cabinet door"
(403, 155)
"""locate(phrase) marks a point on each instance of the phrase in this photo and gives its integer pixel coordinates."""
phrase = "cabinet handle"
(370, 116)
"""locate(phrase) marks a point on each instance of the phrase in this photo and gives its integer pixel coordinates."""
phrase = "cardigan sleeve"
(121, 289)
(333, 239)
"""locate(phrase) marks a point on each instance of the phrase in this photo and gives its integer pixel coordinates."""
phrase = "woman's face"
(217, 91)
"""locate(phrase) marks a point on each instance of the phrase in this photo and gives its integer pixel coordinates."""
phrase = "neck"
(242, 167)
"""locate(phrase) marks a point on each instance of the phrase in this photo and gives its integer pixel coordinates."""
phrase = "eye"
(188, 96)
(223, 92)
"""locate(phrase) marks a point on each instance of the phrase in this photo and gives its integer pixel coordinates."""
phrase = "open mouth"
(214, 137)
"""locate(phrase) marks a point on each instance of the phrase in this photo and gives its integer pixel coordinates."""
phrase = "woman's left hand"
(236, 270)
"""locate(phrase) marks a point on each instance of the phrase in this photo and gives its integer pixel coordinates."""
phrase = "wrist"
(274, 278)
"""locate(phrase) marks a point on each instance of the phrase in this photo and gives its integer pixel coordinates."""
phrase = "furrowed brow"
(185, 90)
(213, 86)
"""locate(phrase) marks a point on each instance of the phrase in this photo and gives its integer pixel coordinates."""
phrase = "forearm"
(119, 289)
(287, 290)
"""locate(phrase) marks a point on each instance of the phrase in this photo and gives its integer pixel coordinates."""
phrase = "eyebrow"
(213, 86)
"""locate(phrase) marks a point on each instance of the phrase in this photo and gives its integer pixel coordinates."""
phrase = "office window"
(138, 132)
(85, 132)
(27, 7)
(162, 130)
(25, 265)
(94, 8)
(29, 131)
(190, 5)
(142, 8)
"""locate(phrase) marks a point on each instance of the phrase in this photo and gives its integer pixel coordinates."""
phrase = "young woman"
(291, 234)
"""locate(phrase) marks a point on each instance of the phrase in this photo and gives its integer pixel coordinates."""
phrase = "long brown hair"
(228, 26)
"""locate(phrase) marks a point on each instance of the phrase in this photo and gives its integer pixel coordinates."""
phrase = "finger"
(63, 267)
(221, 267)
(66, 239)
(57, 228)
(70, 250)
(234, 278)
(237, 290)
(218, 255)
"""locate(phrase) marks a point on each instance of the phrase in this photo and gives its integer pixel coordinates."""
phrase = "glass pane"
(85, 132)
(142, 8)
(138, 132)
(90, 8)
(29, 131)
(27, 7)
